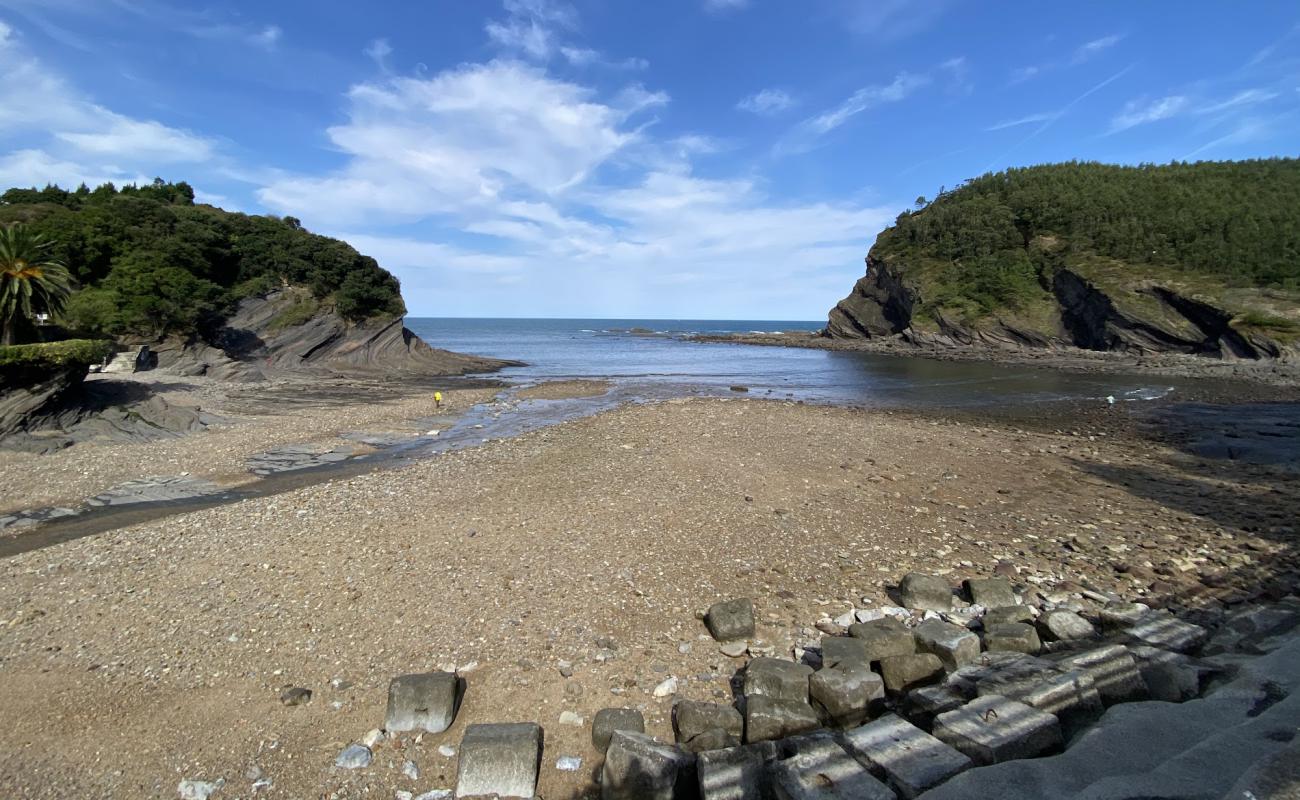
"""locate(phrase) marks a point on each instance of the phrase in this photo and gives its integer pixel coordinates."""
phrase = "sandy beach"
(561, 570)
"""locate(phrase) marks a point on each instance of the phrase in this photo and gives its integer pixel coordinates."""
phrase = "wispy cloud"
(530, 27)
(766, 102)
(1246, 130)
(586, 57)
(1083, 53)
(1025, 120)
(268, 37)
(1087, 50)
(378, 51)
(1246, 97)
(1143, 112)
(806, 133)
(892, 19)
(1052, 118)
(721, 6)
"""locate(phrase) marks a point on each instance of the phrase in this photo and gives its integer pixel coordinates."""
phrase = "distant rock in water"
(272, 335)
(1184, 258)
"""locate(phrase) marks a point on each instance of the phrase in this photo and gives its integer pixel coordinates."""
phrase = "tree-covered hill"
(149, 261)
(1037, 249)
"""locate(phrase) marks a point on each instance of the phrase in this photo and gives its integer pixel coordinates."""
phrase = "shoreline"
(1284, 374)
(561, 571)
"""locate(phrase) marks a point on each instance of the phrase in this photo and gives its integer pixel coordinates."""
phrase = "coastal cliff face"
(1142, 316)
(1197, 259)
(288, 332)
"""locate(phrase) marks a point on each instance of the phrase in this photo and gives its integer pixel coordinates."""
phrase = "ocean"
(653, 358)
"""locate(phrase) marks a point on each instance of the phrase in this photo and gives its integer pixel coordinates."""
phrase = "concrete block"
(1069, 694)
(768, 718)
(884, 638)
(954, 645)
(608, 720)
(500, 760)
(425, 701)
(1164, 630)
(825, 773)
(989, 592)
(736, 773)
(731, 620)
(993, 729)
(837, 650)
(901, 673)
(778, 678)
(1006, 614)
(639, 768)
(1113, 671)
(846, 694)
(928, 592)
(1012, 637)
(904, 756)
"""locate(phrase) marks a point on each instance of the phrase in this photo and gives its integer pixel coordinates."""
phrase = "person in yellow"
(437, 399)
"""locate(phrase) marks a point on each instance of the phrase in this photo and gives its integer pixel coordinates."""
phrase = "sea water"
(657, 358)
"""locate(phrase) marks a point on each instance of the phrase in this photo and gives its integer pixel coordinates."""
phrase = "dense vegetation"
(147, 260)
(993, 243)
(48, 355)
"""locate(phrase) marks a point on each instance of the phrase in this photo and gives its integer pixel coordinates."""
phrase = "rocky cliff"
(1197, 259)
(1095, 309)
(289, 332)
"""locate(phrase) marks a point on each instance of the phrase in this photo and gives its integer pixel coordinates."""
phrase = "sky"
(716, 159)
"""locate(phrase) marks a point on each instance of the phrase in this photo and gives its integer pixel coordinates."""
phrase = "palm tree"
(28, 273)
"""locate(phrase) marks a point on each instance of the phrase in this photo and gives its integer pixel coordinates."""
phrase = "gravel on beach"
(559, 571)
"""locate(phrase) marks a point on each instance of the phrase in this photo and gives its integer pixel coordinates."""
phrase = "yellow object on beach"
(437, 398)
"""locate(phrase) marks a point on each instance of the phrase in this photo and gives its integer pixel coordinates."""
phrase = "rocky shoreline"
(1264, 372)
(561, 572)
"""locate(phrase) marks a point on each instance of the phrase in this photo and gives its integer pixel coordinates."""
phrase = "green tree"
(30, 280)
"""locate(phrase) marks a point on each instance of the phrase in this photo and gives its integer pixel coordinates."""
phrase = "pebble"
(190, 789)
(446, 750)
(372, 738)
(666, 688)
(295, 696)
(734, 649)
(435, 794)
(354, 756)
(411, 770)
(568, 764)
(570, 718)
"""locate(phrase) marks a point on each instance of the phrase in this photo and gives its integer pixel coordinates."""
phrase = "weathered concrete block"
(847, 693)
(608, 720)
(1069, 694)
(954, 645)
(1164, 630)
(1007, 614)
(901, 673)
(1012, 637)
(918, 590)
(736, 773)
(712, 739)
(768, 718)
(1169, 677)
(731, 620)
(1121, 615)
(500, 760)
(993, 729)
(884, 638)
(639, 768)
(776, 677)
(692, 718)
(989, 592)
(1113, 671)
(819, 769)
(922, 705)
(906, 757)
(1062, 625)
(968, 677)
(425, 701)
(837, 650)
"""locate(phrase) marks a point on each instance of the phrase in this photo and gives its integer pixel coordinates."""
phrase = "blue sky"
(603, 158)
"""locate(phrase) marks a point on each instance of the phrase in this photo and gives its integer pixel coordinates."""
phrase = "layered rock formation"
(266, 337)
(1079, 308)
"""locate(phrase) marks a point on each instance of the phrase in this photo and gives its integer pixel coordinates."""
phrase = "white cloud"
(147, 141)
(513, 185)
(378, 51)
(807, 132)
(893, 19)
(1087, 50)
(530, 26)
(1246, 97)
(767, 101)
(1142, 112)
(720, 6)
(586, 57)
(267, 37)
(62, 136)
(1025, 120)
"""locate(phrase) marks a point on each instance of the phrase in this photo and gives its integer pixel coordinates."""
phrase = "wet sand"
(136, 658)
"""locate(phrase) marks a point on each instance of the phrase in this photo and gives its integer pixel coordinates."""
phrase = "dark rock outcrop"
(254, 343)
(1139, 316)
